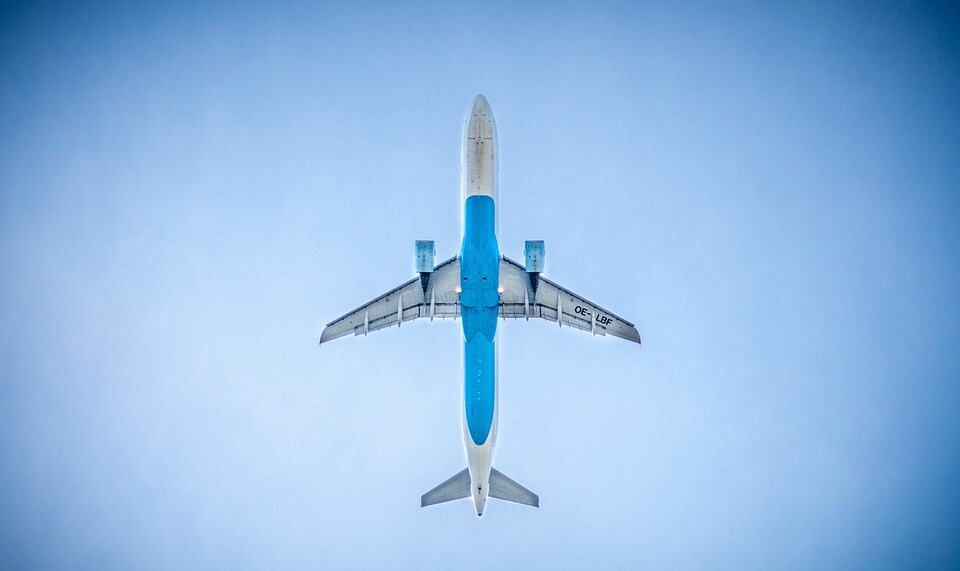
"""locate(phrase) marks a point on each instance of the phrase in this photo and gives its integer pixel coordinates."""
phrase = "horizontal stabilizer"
(503, 488)
(456, 488)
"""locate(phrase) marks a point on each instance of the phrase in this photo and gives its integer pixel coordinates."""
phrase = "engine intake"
(426, 256)
(534, 253)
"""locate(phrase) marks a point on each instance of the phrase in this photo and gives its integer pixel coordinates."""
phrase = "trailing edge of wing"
(403, 303)
(558, 304)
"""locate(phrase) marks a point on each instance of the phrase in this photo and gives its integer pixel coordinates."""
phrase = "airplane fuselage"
(479, 296)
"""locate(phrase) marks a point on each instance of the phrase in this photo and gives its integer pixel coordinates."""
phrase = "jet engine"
(426, 256)
(534, 254)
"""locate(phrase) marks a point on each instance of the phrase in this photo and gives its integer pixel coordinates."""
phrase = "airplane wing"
(518, 300)
(403, 303)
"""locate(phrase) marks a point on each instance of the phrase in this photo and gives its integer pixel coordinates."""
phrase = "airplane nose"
(480, 124)
(480, 105)
(479, 151)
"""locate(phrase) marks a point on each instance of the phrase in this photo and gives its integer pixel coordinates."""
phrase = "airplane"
(479, 286)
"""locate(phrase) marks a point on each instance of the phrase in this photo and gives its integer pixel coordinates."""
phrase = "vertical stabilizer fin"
(455, 488)
(503, 488)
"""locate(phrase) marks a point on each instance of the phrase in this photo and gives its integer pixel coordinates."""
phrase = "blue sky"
(187, 194)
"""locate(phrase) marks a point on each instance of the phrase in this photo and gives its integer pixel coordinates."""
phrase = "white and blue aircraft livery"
(480, 285)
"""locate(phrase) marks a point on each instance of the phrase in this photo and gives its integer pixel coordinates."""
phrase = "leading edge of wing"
(561, 288)
(374, 300)
(636, 334)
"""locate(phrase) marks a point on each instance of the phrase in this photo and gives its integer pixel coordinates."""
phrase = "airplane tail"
(501, 487)
(454, 488)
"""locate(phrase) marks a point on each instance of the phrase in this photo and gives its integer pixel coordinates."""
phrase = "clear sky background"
(188, 194)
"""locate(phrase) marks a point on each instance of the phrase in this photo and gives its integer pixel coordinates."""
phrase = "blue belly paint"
(479, 298)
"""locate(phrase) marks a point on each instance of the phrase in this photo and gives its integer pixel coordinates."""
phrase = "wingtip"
(324, 337)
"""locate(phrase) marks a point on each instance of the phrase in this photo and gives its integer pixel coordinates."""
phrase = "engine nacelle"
(426, 258)
(534, 254)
